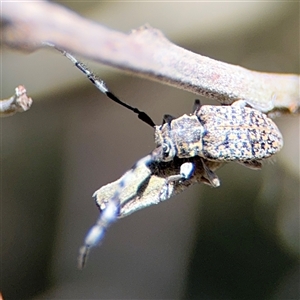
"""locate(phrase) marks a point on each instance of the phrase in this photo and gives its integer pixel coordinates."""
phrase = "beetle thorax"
(182, 137)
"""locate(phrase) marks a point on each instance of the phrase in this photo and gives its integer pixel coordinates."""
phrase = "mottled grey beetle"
(212, 133)
(220, 133)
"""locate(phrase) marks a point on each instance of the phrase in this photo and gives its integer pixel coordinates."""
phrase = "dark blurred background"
(239, 241)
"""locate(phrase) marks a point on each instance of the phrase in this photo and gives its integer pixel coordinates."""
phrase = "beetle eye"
(166, 149)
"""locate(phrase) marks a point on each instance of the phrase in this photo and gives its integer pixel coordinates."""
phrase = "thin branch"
(147, 53)
(148, 185)
(19, 102)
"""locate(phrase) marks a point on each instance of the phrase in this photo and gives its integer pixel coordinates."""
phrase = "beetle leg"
(186, 172)
(167, 119)
(212, 177)
(196, 107)
(239, 103)
(251, 164)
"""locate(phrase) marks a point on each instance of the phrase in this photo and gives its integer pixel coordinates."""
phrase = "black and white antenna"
(101, 86)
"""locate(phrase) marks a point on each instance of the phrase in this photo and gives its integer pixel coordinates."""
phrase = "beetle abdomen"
(238, 133)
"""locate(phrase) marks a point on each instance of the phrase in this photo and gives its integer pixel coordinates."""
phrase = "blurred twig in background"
(19, 102)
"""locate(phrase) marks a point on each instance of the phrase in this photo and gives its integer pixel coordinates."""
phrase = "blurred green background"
(239, 241)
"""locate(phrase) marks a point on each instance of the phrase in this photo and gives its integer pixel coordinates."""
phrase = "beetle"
(220, 133)
(211, 133)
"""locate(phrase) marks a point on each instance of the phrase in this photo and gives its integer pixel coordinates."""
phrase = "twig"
(19, 102)
(147, 53)
(146, 186)
(148, 182)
